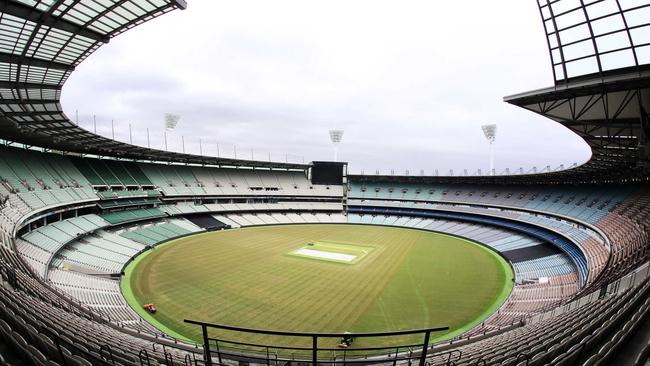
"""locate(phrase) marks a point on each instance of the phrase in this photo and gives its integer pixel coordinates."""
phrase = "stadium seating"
(156, 233)
(592, 243)
(76, 207)
(33, 313)
(112, 173)
(67, 263)
(586, 203)
(591, 214)
(120, 217)
(41, 180)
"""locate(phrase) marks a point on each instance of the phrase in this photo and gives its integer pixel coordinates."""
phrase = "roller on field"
(151, 308)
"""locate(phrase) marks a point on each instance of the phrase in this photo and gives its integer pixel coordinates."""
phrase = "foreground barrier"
(277, 354)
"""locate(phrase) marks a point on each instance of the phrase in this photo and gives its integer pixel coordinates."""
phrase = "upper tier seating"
(259, 182)
(34, 180)
(173, 180)
(112, 173)
(585, 203)
(183, 208)
(178, 180)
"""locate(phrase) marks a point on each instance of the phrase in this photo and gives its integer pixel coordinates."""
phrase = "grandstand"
(76, 208)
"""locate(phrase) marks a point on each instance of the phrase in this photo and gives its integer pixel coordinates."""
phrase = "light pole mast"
(171, 120)
(335, 137)
(490, 132)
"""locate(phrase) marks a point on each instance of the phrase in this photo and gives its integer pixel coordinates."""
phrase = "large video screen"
(327, 173)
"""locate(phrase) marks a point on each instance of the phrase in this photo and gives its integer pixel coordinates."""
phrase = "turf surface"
(244, 277)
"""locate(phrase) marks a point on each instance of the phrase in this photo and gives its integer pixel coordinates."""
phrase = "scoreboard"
(328, 172)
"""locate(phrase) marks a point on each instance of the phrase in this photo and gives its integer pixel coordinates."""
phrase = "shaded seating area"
(120, 217)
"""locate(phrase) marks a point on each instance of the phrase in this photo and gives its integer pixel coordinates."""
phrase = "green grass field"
(244, 277)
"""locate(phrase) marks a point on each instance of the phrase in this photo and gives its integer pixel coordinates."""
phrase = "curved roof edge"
(610, 113)
(44, 42)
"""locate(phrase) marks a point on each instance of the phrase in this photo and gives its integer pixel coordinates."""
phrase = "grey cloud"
(410, 96)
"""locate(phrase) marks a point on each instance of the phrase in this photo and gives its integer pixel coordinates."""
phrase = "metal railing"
(275, 354)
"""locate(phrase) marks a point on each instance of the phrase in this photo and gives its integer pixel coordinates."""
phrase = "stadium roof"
(600, 55)
(610, 113)
(600, 52)
(593, 37)
(42, 41)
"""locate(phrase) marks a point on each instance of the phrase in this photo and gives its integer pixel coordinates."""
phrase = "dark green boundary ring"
(127, 291)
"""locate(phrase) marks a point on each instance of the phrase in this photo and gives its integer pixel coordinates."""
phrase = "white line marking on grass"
(325, 255)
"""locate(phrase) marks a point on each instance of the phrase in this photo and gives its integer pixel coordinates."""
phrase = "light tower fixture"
(171, 120)
(336, 136)
(490, 132)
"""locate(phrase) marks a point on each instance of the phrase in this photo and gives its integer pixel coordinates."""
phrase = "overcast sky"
(410, 82)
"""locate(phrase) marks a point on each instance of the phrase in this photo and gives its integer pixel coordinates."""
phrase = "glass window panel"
(545, 12)
(137, 9)
(609, 24)
(559, 72)
(582, 67)
(125, 15)
(612, 41)
(578, 33)
(627, 4)
(581, 49)
(641, 35)
(555, 54)
(552, 40)
(643, 55)
(617, 60)
(564, 6)
(602, 8)
(569, 19)
(550, 28)
(637, 17)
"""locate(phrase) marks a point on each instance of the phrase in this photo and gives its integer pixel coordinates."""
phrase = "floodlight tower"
(171, 120)
(490, 132)
(336, 136)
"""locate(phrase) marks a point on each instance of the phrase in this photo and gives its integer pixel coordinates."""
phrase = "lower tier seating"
(36, 321)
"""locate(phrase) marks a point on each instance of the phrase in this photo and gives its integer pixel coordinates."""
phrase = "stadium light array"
(171, 120)
(490, 132)
(336, 136)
